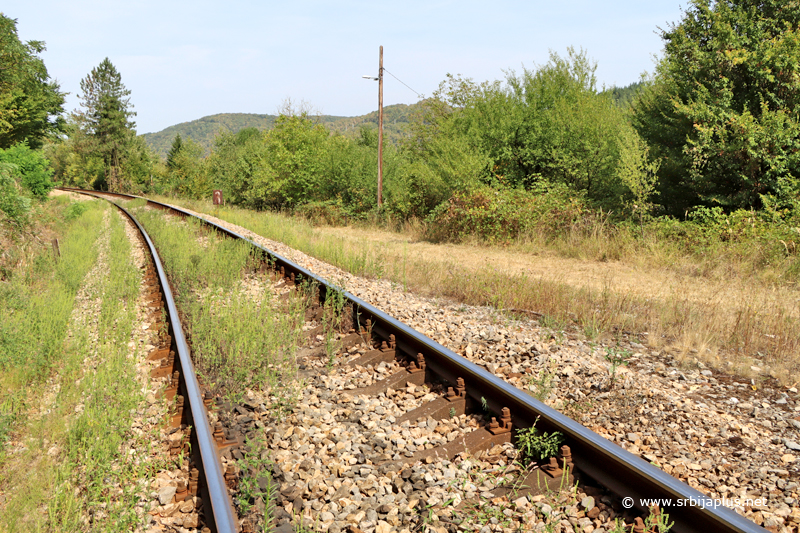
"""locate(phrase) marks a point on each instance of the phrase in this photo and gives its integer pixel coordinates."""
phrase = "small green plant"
(480, 514)
(452, 412)
(333, 314)
(484, 405)
(301, 527)
(592, 326)
(657, 521)
(285, 398)
(542, 385)
(554, 323)
(256, 481)
(75, 210)
(619, 527)
(575, 408)
(534, 446)
(616, 357)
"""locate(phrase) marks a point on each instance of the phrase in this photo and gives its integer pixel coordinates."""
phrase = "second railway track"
(380, 443)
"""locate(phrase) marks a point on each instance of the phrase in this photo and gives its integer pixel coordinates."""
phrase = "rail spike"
(459, 393)
(504, 426)
(418, 365)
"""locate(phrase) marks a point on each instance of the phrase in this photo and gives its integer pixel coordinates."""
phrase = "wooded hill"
(204, 130)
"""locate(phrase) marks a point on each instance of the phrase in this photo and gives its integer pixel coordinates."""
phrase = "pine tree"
(106, 118)
(172, 155)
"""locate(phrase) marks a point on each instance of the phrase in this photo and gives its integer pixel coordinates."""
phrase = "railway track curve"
(424, 360)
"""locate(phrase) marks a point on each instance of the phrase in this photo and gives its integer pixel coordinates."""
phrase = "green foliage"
(31, 170)
(296, 148)
(542, 386)
(30, 103)
(534, 446)
(616, 358)
(237, 162)
(238, 339)
(722, 110)
(105, 125)
(256, 481)
(299, 163)
(35, 308)
(545, 125)
(75, 210)
(206, 131)
(24, 173)
(438, 161)
(501, 215)
(13, 204)
(624, 96)
(186, 173)
(174, 150)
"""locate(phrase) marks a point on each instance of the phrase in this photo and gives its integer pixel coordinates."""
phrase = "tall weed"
(240, 335)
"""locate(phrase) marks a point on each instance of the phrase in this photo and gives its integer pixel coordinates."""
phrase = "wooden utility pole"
(380, 129)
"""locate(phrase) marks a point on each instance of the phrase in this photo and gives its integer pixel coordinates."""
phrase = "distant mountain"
(204, 130)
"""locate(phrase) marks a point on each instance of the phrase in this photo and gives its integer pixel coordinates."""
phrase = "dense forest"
(710, 138)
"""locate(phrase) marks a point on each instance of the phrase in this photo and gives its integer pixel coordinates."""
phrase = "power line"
(404, 83)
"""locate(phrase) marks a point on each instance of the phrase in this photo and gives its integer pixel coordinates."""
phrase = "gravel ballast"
(727, 436)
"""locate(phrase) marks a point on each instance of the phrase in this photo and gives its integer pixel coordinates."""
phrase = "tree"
(297, 155)
(722, 110)
(543, 126)
(30, 103)
(172, 155)
(105, 118)
(236, 161)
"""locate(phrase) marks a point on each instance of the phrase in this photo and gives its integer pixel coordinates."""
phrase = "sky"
(186, 60)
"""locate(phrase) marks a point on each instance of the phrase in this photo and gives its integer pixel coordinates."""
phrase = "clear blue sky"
(185, 60)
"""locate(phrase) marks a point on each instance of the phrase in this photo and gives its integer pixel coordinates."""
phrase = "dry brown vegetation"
(726, 314)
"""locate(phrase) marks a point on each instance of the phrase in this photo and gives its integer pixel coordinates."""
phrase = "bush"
(31, 169)
(501, 215)
(330, 212)
(75, 210)
(12, 204)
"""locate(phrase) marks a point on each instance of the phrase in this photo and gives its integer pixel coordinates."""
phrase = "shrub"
(31, 169)
(501, 215)
(12, 204)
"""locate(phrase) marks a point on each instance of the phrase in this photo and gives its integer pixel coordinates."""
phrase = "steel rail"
(609, 464)
(220, 505)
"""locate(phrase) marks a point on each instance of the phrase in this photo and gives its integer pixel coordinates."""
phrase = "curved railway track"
(190, 411)
(425, 361)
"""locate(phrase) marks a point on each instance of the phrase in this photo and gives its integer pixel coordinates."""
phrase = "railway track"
(190, 429)
(425, 382)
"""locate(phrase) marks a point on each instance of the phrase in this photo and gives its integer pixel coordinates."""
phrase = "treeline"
(545, 129)
(715, 129)
(711, 137)
(205, 130)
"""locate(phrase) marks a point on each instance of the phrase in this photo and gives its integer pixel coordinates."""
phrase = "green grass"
(35, 308)
(761, 323)
(75, 463)
(109, 393)
(295, 233)
(238, 338)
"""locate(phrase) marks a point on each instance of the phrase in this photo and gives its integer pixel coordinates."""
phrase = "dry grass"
(727, 315)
